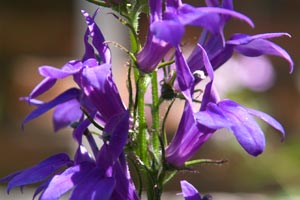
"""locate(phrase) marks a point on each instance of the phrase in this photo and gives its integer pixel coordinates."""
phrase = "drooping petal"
(40, 188)
(241, 39)
(258, 45)
(42, 87)
(38, 172)
(66, 113)
(68, 69)
(213, 117)
(195, 16)
(34, 102)
(62, 98)
(62, 183)
(10, 176)
(189, 191)
(245, 128)
(268, 119)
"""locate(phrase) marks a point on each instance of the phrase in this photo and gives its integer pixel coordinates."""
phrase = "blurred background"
(35, 33)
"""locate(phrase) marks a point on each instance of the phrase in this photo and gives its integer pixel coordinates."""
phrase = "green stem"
(129, 85)
(204, 161)
(142, 150)
(155, 115)
(169, 177)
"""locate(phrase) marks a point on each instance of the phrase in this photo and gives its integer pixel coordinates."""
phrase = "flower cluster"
(123, 129)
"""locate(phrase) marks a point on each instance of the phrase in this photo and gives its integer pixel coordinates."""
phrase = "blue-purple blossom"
(189, 137)
(252, 46)
(154, 49)
(195, 128)
(94, 77)
(98, 85)
(39, 172)
(239, 119)
(189, 192)
(96, 99)
(178, 15)
(105, 177)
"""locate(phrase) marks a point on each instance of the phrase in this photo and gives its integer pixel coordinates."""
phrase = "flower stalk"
(142, 138)
(155, 131)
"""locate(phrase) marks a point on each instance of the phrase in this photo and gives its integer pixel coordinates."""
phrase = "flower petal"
(124, 188)
(189, 191)
(184, 76)
(93, 187)
(188, 138)
(258, 45)
(245, 128)
(66, 113)
(42, 87)
(70, 68)
(82, 155)
(99, 87)
(117, 132)
(213, 117)
(62, 183)
(197, 16)
(97, 37)
(79, 130)
(38, 172)
(168, 30)
(268, 119)
(62, 98)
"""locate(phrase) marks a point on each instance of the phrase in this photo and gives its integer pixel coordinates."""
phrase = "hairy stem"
(155, 116)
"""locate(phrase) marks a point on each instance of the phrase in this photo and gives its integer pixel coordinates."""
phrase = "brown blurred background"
(35, 33)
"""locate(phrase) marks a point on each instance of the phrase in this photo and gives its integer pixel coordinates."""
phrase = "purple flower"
(67, 96)
(196, 128)
(37, 173)
(251, 46)
(98, 85)
(178, 15)
(103, 178)
(154, 49)
(189, 192)
(92, 74)
(184, 76)
(189, 137)
(239, 119)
